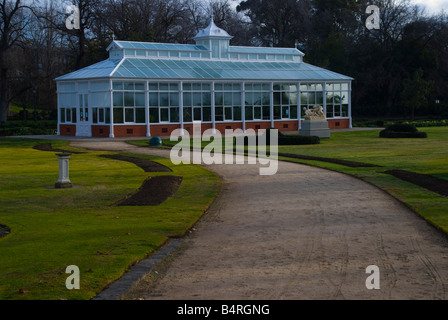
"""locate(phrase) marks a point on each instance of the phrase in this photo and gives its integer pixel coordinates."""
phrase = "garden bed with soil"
(154, 191)
(426, 181)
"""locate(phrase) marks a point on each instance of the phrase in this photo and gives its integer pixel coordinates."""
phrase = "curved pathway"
(304, 233)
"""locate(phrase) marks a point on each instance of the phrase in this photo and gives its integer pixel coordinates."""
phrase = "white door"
(84, 125)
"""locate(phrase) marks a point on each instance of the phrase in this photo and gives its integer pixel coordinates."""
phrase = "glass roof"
(265, 50)
(204, 70)
(101, 69)
(159, 46)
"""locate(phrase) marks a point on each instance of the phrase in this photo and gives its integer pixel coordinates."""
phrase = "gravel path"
(304, 233)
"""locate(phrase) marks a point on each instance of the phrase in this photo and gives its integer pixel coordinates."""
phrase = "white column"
(181, 107)
(78, 108)
(350, 103)
(324, 94)
(64, 180)
(243, 105)
(299, 106)
(111, 135)
(59, 114)
(271, 104)
(148, 119)
(212, 88)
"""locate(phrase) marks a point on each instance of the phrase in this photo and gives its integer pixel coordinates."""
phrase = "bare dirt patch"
(423, 180)
(49, 147)
(154, 191)
(146, 165)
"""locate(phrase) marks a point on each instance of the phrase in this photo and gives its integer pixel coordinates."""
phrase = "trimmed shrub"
(402, 130)
(402, 127)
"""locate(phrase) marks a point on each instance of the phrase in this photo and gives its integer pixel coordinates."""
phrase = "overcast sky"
(433, 6)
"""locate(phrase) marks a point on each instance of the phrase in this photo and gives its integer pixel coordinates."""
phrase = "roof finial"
(212, 18)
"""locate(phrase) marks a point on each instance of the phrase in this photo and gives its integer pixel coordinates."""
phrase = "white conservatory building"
(150, 89)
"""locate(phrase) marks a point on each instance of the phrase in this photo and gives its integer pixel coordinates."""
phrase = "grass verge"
(52, 229)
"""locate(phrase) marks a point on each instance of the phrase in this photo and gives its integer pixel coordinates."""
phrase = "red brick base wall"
(130, 131)
(164, 130)
(101, 131)
(339, 123)
(67, 130)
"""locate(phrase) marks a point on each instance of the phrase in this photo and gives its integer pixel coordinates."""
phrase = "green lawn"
(51, 229)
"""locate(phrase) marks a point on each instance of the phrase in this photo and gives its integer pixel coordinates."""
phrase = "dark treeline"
(400, 70)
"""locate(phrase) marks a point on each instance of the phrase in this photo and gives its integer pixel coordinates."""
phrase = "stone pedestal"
(317, 128)
(64, 181)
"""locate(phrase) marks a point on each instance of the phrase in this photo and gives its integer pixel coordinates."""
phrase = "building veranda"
(151, 89)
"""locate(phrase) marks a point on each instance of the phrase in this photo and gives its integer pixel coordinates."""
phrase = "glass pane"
(249, 113)
(207, 114)
(95, 115)
(285, 112)
(74, 119)
(293, 110)
(154, 115)
(153, 100)
(188, 114)
(277, 113)
(197, 101)
(219, 99)
(163, 99)
(219, 111)
(139, 99)
(312, 98)
(344, 111)
(163, 86)
(117, 85)
(237, 98)
(140, 115)
(228, 113)
(257, 113)
(153, 87)
(118, 99)
(129, 99)
(129, 114)
(62, 115)
(197, 114)
(174, 99)
(139, 86)
(101, 115)
(266, 98)
(174, 114)
(128, 85)
(228, 99)
(118, 115)
(164, 115)
(237, 113)
(266, 113)
(277, 96)
(107, 116)
(304, 98)
(187, 99)
(206, 99)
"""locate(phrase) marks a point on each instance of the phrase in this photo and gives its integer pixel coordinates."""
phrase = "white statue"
(315, 113)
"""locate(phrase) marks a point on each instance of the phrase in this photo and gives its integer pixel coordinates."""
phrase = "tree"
(415, 92)
(12, 25)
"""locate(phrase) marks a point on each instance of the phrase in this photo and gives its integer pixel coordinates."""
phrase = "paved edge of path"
(120, 287)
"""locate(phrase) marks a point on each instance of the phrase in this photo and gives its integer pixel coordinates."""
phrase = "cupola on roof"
(212, 31)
